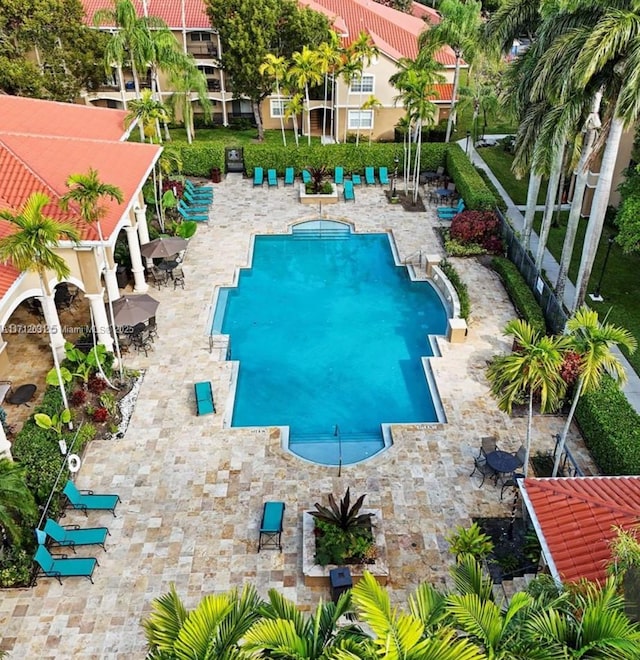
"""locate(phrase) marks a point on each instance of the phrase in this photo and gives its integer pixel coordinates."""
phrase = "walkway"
(550, 265)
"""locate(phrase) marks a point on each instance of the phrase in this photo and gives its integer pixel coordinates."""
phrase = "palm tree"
(362, 52)
(460, 29)
(170, 160)
(276, 68)
(213, 629)
(30, 248)
(294, 107)
(532, 370)
(329, 56)
(18, 508)
(186, 81)
(304, 72)
(372, 103)
(593, 342)
(348, 70)
(148, 112)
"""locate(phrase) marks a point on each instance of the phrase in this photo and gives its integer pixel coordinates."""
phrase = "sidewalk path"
(549, 264)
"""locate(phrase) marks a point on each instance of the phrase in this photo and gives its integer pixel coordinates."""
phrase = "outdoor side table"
(22, 395)
(340, 579)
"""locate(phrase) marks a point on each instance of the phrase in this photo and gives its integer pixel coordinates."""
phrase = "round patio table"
(503, 461)
(22, 395)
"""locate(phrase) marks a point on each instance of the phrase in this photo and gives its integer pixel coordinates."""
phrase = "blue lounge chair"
(448, 212)
(272, 177)
(204, 398)
(338, 175)
(191, 216)
(192, 210)
(73, 535)
(60, 566)
(383, 175)
(258, 176)
(87, 499)
(356, 180)
(349, 194)
(306, 176)
(289, 176)
(271, 526)
(198, 191)
(189, 199)
(369, 176)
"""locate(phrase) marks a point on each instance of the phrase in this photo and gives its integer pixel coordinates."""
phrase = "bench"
(204, 398)
(271, 526)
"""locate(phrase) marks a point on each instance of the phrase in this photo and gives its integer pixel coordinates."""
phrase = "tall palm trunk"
(563, 436)
(359, 112)
(416, 170)
(308, 100)
(547, 217)
(123, 92)
(324, 107)
(454, 93)
(535, 181)
(284, 137)
(527, 442)
(598, 210)
(335, 129)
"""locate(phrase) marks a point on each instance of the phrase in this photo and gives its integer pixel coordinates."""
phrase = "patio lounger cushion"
(59, 567)
(272, 177)
(193, 202)
(338, 175)
(349, 194)
(356, 180)
(271, 525)
(204, 398)
(191, 216)
(258, 176)
(75, 536)
(85, 500)
(190, 209)
(198, 190)
(306, 176)
(383, 175)
(369, 176)
(289, 176)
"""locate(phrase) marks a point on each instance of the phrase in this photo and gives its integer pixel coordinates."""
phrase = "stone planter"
(315, 575)
(331, 198)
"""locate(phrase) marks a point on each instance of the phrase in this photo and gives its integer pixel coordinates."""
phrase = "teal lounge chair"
(289, 176)
(189, 199)
(448, 212)
(198, 191)
(60, 566)
(272, 177)
(356, 180)
(349, 194)
(306, 177)
(87, 499)
(383, 175)
(192, 210)
(338, 175)
(369, 176)
(195, 217)
(204, 398)
(271, 526)
(258, 176)
(73, 535)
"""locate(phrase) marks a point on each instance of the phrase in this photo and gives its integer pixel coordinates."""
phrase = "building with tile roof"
(41, 144)
(576, 519)
(394, 33)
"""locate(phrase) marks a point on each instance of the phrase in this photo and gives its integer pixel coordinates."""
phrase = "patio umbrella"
(163, 247)
(131, 310)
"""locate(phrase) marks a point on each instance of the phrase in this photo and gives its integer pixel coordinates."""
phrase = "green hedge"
(610, 428)
(199, 158)
(469, 183)
(520, 294)
(461, 288)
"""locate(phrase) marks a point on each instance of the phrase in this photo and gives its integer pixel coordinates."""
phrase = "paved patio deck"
(192, 492)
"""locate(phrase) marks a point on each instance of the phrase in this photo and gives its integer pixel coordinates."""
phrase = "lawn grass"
(229, 137)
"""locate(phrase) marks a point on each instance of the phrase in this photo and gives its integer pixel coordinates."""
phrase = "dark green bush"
(500, 203)
(520, 294)
(461, 288)
(610, 428)
(16, 565)
(469, 183)
(199, 158)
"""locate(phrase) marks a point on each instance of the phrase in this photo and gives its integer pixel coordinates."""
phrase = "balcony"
(213, 85)
(203, 50)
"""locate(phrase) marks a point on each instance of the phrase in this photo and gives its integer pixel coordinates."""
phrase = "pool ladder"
(220, 343)
(411, 259)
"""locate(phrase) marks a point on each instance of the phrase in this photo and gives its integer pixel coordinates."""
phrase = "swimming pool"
(330, 336)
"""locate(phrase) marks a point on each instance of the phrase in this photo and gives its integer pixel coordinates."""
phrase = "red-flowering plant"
(78, 397)
(477, 227)
(176, 187)
(100, 415)
(97, 384)
(571, 367)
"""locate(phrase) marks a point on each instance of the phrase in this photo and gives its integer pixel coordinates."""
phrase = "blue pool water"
(329, 335)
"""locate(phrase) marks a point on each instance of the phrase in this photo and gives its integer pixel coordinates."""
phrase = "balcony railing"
(213, 85)
(203, 50)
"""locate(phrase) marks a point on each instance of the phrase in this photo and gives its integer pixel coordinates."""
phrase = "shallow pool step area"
(321, 234)
(329, 450)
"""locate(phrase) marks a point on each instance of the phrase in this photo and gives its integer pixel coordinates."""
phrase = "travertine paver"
(192, 491)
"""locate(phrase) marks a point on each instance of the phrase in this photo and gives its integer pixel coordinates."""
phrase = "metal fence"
(551, 307)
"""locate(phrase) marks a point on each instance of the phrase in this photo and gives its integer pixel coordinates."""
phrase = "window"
(200, 36)
(278, 107)
(360, 119)
(362, 85)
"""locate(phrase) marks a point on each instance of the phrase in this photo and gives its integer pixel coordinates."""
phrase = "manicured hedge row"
(520, 294)
(469, 183)
(610, 428)
(199, 158)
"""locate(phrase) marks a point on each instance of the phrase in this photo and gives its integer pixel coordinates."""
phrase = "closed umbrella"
(161, 248)
(131, 310)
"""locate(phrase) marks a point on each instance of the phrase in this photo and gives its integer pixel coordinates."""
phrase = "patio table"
(22, 395)
(502, 462)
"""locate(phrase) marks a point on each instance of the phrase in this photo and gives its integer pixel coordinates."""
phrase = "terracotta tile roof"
(425, 13)
(170, 11)
(444, 92)
(576, 517)
(36, 117)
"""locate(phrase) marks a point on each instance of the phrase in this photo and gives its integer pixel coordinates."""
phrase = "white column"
(139, 285)
(141, 221)
(100, 319)
(112, 283)
(53, 324)
(5, 445)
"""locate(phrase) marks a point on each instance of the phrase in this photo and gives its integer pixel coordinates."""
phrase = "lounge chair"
(306, 176)
(289, 176)
(338, 175)
(448, 212)
(370, 176)
(271, 526)
(202, 192)
(192, 201)
(192, 210)
(87, 499)
(383, 175)
(356, 180)
(349, 194)
(272, 177)
(194, 217)
(204, 398)
(73, 536)
(258, 176)
(60, 566)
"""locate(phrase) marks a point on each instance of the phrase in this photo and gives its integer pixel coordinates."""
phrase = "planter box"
(315, 575)
(331, 198)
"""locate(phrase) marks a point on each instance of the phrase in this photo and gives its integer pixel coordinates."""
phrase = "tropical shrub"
(520, 294)
(343, 516)
(461, 288)
(199, 158)
(480, 228)
(470, 541)
(469, 183)
(97, 384)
